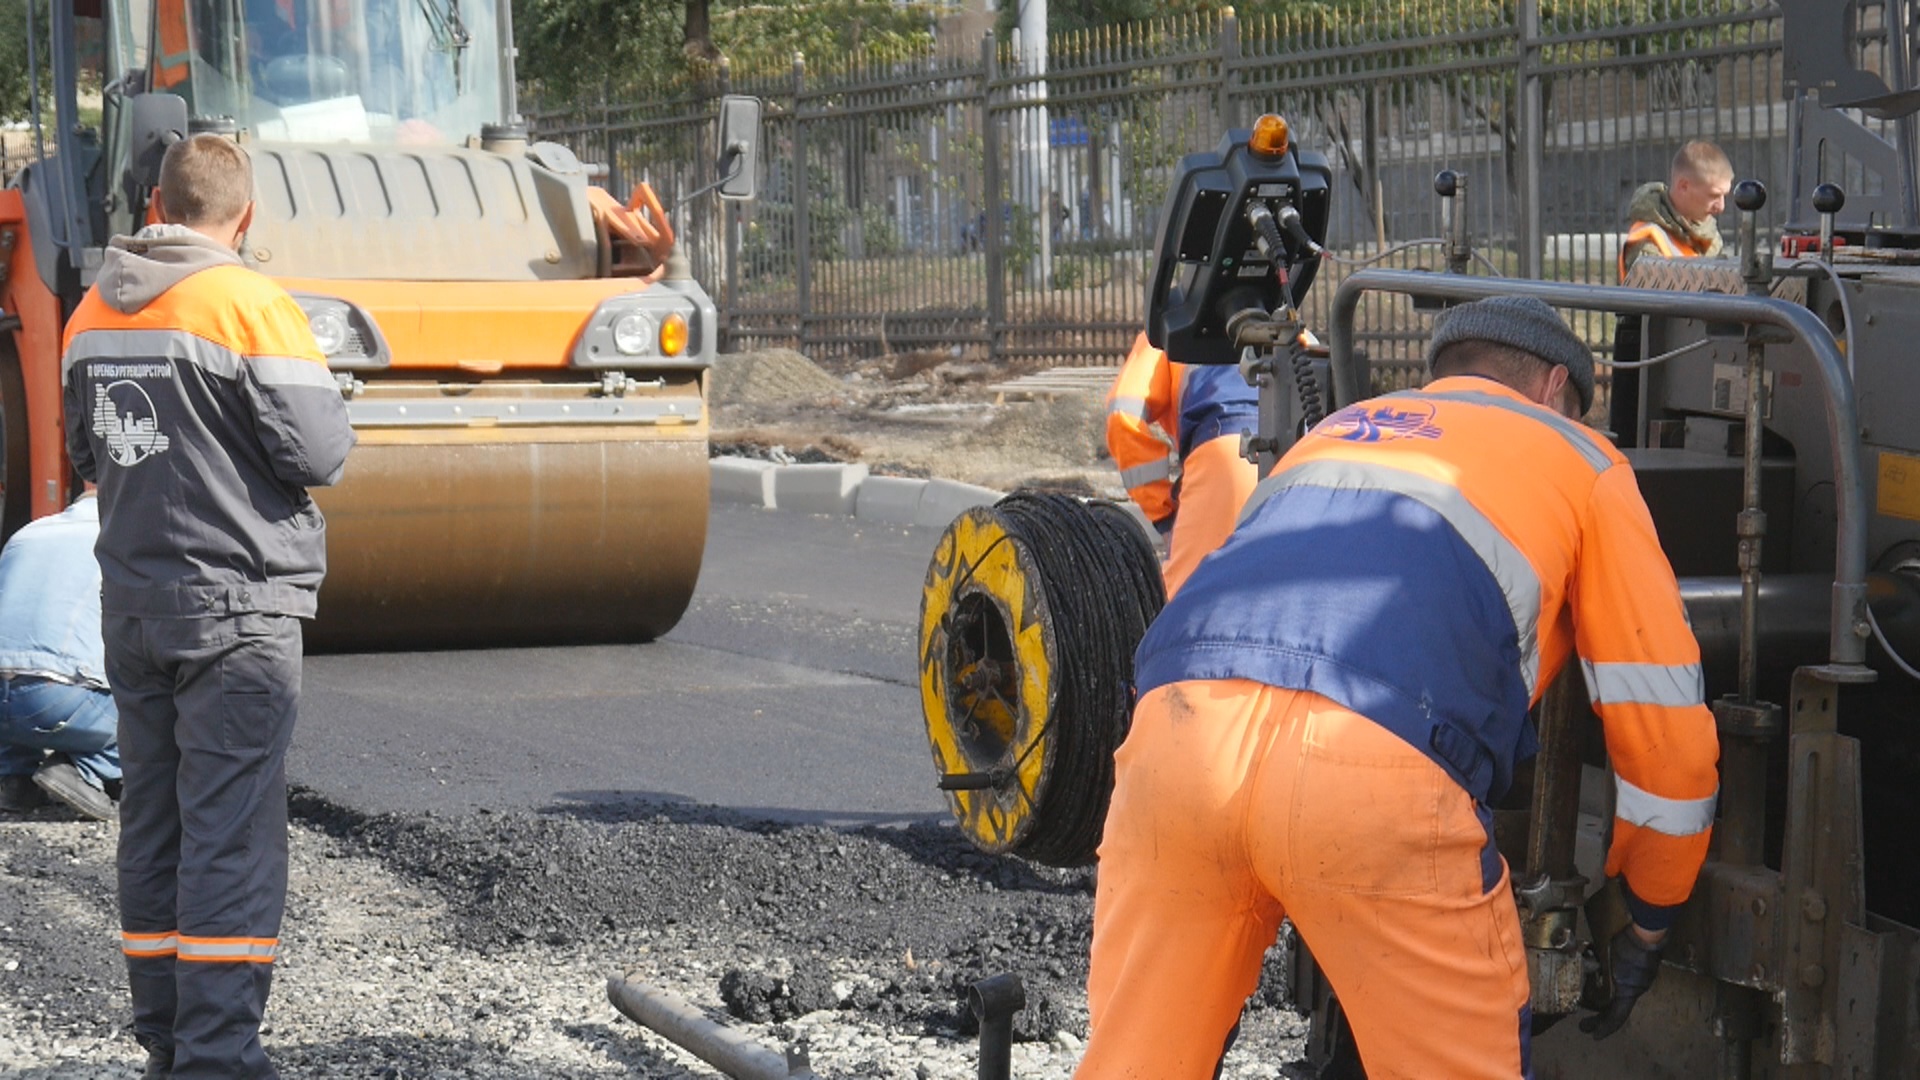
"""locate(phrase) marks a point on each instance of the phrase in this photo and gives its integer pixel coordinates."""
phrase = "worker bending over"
(1203, 410)
(1339, 694)
(1674, 220)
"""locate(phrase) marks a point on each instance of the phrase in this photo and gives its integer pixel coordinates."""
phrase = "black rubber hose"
(1103, 585)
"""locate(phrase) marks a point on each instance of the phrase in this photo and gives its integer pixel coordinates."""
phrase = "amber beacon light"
(1269, 138)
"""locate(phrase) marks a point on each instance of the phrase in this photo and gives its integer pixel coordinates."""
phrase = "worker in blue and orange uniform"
(1674, 220)
(198, 400)
(1203, 409)
(1339, 693)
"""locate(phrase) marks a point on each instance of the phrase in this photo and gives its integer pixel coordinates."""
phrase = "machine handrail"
(1846, 643)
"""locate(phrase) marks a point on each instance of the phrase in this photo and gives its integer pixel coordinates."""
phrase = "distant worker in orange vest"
(1674, 220)
(1203, 409)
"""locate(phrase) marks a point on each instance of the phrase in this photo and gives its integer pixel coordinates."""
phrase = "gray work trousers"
(207, 708)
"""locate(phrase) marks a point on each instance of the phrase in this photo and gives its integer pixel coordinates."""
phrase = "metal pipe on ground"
(716, 1044)
(994, 1001)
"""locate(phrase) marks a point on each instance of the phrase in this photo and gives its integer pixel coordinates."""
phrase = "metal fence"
(999, 203)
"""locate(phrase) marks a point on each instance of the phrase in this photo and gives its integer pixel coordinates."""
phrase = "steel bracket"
(1825, 884)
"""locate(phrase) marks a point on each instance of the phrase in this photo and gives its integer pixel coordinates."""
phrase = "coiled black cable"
(1103, 585)
(1312, 408)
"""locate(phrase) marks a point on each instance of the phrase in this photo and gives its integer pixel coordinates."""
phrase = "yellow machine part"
(491, 533)
(987, 686)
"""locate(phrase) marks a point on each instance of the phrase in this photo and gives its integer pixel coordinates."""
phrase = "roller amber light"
(1270, 136)
(673, 335)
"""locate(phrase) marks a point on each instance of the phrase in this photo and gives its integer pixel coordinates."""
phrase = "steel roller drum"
(513, 534)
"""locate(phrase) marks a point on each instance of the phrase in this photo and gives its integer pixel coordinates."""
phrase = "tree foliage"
(13, 58)
(578, 49)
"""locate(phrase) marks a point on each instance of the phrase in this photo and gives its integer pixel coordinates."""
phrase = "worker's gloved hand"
(1634, 964)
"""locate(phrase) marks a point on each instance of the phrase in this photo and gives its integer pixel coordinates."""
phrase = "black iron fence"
(992, 201)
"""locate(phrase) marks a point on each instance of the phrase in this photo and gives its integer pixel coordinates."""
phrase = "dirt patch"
(913, 414)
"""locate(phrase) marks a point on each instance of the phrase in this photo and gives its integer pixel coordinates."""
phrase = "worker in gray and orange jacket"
(1340, 693)
(1203, 410)
(198, 400)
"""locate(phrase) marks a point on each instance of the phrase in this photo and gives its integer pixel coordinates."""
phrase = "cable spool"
(1028, 621)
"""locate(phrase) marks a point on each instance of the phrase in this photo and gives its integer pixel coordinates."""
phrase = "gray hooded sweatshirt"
(198, 401)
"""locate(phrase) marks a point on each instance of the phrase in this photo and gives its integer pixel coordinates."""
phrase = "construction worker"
(197, 398)
(56, 715)
(1203, 410)
(1674, 220)
(1339, 693)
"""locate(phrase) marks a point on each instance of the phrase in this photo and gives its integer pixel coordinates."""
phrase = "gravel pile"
(769, 377)
(480, 946)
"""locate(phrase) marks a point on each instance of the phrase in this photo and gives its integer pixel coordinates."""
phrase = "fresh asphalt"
(788, 692)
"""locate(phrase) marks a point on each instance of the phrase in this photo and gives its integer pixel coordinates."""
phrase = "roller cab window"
(330, 71)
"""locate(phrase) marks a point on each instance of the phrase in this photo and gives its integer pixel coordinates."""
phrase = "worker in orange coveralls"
(1338, 695)
(1203, 410)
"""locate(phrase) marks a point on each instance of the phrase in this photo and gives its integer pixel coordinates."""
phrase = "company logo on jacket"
(124, 418)
(1380, 423)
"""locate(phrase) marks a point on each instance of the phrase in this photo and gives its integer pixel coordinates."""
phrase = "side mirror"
(159, 121)
(739, 164)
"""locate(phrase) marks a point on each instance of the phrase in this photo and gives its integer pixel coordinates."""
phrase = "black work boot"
(67, 784)
(159, 1063)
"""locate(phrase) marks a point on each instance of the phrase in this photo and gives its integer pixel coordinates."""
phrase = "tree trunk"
(697, 38)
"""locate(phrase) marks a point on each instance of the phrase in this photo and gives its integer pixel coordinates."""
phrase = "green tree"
(13, 59)
(574, 49)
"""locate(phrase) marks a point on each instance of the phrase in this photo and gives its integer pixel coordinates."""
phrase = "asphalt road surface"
(787, 692)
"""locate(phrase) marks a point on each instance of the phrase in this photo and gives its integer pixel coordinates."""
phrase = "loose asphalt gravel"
(480, 946)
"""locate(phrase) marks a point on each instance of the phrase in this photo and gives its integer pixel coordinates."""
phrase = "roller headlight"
(330, 330)
(634, 333)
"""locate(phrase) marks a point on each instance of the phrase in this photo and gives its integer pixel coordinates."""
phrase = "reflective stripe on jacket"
(1431, 560)
(197, 399)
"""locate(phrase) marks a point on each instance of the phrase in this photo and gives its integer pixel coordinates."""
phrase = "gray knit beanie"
(1519, 322)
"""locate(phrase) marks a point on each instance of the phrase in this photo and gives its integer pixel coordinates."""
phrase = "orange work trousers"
(1214, 484)
(1237, 803)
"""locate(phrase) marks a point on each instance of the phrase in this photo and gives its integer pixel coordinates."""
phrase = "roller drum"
(524, 537)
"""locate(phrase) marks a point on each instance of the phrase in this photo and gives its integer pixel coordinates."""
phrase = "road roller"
(522, 354)
(1774, 437)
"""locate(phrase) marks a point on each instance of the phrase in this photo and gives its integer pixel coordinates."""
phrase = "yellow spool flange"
(987, 684)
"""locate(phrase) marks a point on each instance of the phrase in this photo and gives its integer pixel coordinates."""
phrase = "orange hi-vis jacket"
(1664, 242)
(1145, 395)
(1430, 560)
(1191, 405)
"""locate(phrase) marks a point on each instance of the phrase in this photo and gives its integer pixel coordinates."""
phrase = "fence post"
(1229, 66)
(1533, 140)
(802, 229)
(730, 224)
(994, 236)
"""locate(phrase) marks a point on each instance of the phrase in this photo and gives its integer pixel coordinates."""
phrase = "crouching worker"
(197, 398)
(56, 714)
(1337, 696)
(1203, 410)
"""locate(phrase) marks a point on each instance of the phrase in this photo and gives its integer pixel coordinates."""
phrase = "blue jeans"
(39, 715)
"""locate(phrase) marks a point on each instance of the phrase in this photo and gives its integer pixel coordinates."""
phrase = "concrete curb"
(742, 480)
